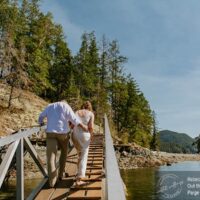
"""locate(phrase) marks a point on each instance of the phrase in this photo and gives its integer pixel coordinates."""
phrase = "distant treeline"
(34, 55)
(176, 142)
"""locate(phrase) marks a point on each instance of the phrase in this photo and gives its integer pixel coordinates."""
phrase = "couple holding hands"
(60, 118)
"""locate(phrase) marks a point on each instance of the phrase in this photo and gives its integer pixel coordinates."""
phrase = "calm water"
(8, 190)
(179, 181)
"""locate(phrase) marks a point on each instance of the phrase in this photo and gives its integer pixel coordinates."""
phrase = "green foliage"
(197, 143)
(154, 145)
(35, 51)
(86, 66)
(176, 142)
(61, 69)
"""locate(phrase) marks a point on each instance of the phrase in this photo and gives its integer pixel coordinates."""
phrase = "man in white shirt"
(58, 114)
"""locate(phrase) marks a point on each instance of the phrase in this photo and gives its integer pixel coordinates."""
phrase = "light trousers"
(81, 142)
(53, 141)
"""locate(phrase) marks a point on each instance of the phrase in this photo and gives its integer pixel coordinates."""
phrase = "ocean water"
(180, 181)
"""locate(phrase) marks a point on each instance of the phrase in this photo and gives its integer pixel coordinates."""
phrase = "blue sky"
(161, 39)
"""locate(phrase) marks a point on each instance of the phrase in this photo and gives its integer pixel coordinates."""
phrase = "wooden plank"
(71, 161)
(72, 155)
(95, 154)
(92, 185)
(95, 176)
(96, 145)
(92, 179)
(94, 194)
(91, 167)
(95, 159)
(96, 149)
(45, 194)
(83, 195)
(62, 188)
(93, 172)
(7, 160)
(60, 193)
(80, 194)
(95, 162)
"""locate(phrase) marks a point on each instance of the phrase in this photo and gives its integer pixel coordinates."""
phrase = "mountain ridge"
(174, 142)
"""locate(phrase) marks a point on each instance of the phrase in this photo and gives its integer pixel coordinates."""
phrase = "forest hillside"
(35, 57)
(174, 142)
(24, 111)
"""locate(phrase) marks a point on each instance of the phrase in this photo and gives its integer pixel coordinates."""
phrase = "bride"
(81, 139)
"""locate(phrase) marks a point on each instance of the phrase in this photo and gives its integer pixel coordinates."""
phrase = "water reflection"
(8, 189)
(140, 183)
(180, 181)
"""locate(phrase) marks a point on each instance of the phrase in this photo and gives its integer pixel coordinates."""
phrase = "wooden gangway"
(102, 175)
(64, 189)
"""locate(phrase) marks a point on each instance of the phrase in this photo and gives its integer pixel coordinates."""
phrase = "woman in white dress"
(81, 139)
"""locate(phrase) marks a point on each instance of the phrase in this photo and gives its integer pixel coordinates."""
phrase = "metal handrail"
(25, 132)
(114, 183)
(16, 143)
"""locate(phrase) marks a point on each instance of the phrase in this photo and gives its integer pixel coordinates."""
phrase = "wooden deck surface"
(94, 189)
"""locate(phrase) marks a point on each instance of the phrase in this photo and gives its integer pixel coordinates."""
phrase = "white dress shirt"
(58, 114)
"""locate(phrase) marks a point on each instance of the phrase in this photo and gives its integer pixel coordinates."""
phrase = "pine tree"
(154, 145)
(61, 69)
(12, 49)
(86, 66)
(115, 75)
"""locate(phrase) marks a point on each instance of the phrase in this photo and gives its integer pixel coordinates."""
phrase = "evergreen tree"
(61, 69)
(86, 67)
(35, 55)
(197, 142)
(12, 49)
(115, 75)
(154, 141)
(103, 80)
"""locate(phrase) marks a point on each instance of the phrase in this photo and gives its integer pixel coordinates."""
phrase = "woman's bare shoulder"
(84, 112)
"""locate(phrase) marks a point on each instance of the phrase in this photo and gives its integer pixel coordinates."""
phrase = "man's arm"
(83, 126)
(74, 119)
(42, 116)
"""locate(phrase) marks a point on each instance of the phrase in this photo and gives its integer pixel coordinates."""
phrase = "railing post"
(114, 182)
(20, 170)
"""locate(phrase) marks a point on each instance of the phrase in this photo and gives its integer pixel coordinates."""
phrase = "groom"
(58, 114)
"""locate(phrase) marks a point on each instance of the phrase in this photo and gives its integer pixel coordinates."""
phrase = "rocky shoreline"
(128, 156)
(134, 156)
